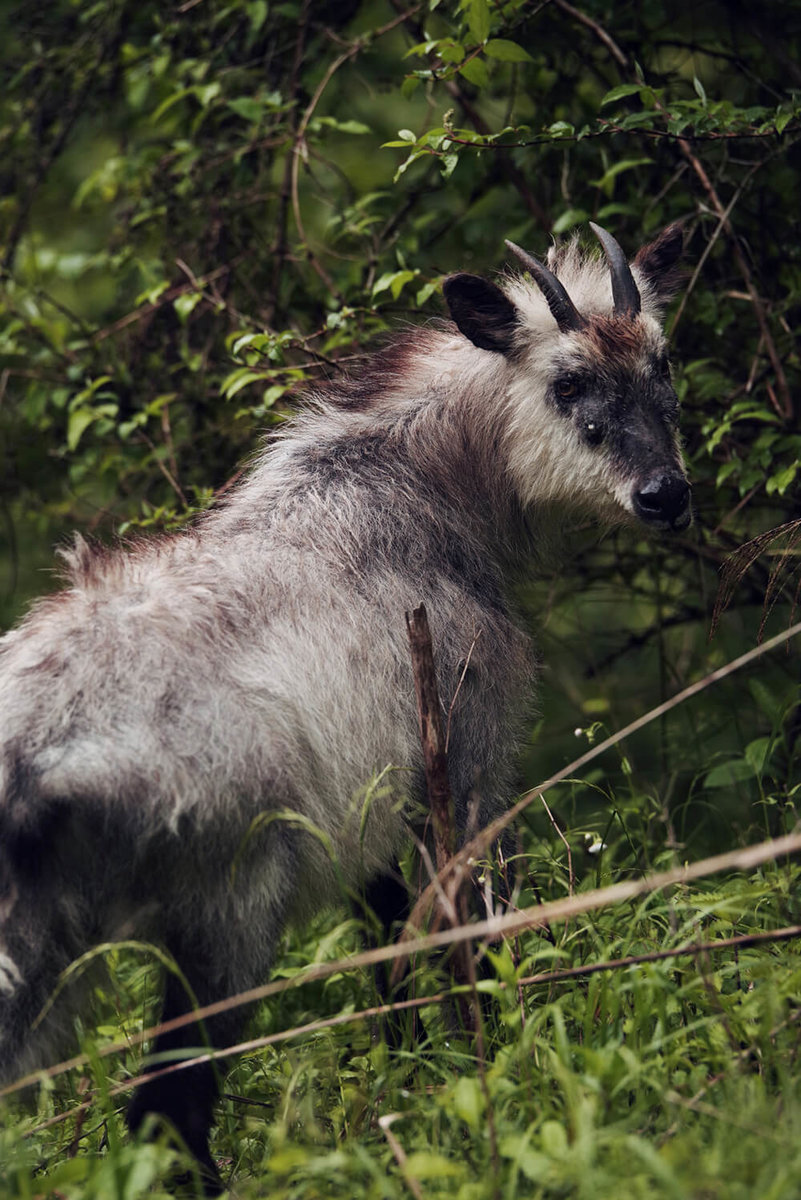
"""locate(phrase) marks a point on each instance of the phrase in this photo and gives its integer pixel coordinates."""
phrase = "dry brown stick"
(440, 798)
(400, 1154)
(432, 736)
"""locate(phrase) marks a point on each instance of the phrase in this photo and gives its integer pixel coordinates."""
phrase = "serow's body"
(259, 663)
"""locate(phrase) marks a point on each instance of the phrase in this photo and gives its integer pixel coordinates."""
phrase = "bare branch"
(432, 736)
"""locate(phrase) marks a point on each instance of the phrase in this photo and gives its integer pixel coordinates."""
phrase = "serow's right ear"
(482, 312)
(659, 262)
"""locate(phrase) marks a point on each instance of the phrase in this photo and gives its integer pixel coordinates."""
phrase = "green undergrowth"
(670, 1078)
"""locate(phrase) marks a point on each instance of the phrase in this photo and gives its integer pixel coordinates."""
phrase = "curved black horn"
(624, 290)
(564, 311)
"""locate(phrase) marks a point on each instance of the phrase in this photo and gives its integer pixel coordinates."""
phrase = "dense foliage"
(204, 206)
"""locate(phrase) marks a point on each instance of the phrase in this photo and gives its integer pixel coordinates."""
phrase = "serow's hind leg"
(185, 1099)
(386, 902)
(228, 948)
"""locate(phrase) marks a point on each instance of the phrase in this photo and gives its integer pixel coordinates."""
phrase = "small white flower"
(597, 847)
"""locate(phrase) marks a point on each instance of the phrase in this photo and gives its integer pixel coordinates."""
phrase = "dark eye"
(663, 367)
(566, 387)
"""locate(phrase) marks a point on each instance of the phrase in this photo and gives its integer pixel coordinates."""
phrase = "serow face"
(627, 416)
(598, 428)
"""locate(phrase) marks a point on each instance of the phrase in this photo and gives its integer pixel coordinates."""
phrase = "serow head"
(592, 412)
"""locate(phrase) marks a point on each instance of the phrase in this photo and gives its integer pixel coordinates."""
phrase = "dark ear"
(659, 262)
(482, 312)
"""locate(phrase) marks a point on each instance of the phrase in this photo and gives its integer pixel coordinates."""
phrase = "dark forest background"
(205, 206)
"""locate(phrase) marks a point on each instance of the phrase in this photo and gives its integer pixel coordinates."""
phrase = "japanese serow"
(259, 662)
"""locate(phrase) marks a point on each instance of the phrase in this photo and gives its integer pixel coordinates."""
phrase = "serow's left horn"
(624, 290)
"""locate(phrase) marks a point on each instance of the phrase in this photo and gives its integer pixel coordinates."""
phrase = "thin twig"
(299, 148)
(171, 480)
(605, 38)
(399, 1152)
(458, 689)
(710, 242)
(166, 297)
(552, 819)
(784, 405)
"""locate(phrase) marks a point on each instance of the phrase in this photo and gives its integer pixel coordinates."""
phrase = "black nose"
(664, 500)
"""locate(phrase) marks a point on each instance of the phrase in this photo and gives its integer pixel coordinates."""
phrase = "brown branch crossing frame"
(432, 735)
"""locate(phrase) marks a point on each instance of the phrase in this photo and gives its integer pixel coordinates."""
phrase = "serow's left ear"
(482, 312)
(659, 262)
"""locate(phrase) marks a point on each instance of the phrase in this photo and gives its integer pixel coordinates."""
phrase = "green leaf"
(518, 1148)
(699, 90)
(80, 398)
(448, 164)
(425, 1164)
(783, 119)
(475, 69)
(170, 101)
(79, 420)
(506, 51)
(553, 1138)
(185, 304)
(349, 126)
(151, 294)
(478, 20)
(271, 394)
(468, 1101)
(207, 93)
(757, 752)
(248, 107)
(257, 11)
(561, 129)
(621, 91)
(780, 482)
(126, 428)
(452, 52)
(407, 162)
(605, 183)
(569, 219)
(726, 774)
(239, 379)
(395, 281)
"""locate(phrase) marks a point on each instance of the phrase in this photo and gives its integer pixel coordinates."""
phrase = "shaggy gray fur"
(259, 663)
